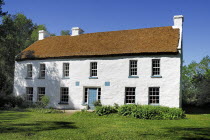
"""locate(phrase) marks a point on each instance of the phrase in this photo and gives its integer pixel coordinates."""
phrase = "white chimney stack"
(178, 23)
(76, 31)
(43, 34)
(178, 20)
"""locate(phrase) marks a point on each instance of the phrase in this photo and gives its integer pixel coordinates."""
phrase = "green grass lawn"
(83, 125)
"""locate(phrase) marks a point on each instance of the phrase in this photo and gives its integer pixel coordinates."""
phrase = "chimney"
(43, 34)
(178, 23)
(76, 31)
(178, 20)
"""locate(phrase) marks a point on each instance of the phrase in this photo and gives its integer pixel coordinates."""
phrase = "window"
(93, 69)
(133, 67)
(99, 94)
(29, 94)
(64, 95)
(154, 95)
(130, 95)
(86, 94)
(41, 93)
(29, 70)
(65, 69)
(42, 71)
(155, 67)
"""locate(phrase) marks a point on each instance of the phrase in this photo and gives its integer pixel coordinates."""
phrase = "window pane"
(29, 70)
(41, 93)
(93, 71)
(66, 69)
(130, 95)
(154, 95)
(42, 70)
(29, 94)
(64, 95)
(156, 67)
(99, 94)
(133, 67)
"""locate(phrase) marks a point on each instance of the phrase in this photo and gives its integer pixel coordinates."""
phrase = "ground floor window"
(41, 93)
(86, 95)
(154, 93)
(29, 94)
(130, 95)
(99, 94)
(64, 95)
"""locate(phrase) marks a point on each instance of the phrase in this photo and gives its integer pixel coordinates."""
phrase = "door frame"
(88, 87)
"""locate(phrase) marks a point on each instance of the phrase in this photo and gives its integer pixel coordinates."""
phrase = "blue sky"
(112, 15)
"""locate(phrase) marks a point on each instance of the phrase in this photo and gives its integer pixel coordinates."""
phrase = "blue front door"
(92, 94)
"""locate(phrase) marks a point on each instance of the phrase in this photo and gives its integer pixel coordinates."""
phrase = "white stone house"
(141, 66)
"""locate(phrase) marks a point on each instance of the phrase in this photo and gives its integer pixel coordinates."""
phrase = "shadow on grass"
(191, 133)
(196, 110)
(30, 129)
(9, 116)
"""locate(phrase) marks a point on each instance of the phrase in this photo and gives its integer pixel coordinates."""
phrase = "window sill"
(28, 78)
(129, 103)
(133, 76)
(155, 104)
(65, 77)
(63, 103)
(93, 77)
(157, 76)
(41, 78)
(84, 104)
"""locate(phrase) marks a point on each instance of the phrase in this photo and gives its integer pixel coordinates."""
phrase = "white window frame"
(29, 94)
(40, 93)
(93, 70)
(130, 96)
(154, 97)
(42, 70)
(155, 67)
(66, 67)
(29, 71)
(133, 68)
(63, 96)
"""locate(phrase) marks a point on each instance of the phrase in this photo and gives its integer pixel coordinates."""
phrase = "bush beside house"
(142, 111)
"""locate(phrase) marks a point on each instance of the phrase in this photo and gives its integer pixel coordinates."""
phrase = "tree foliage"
(65, 32)
(1, 12)
(17, 33)
(196, 83)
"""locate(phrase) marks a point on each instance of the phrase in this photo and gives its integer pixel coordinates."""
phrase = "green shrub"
(105, 110)
(43, 103)
(151, 112)
(97, 103)
(10, 101)
(44, 110)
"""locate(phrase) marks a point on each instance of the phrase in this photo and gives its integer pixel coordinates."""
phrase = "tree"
(1, 12)
(196, 83)
(65, 32)
(18, 32)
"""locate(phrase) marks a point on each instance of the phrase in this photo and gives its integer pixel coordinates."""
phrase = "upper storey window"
(133, 68)
(93, 69)
(29, 70)
(155, 67)
(42, 71)
(65, 70)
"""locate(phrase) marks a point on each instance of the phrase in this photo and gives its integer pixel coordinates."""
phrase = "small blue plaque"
(77, 83)
(107, 83)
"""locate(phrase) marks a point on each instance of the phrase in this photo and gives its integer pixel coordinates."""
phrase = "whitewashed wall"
(110, 69)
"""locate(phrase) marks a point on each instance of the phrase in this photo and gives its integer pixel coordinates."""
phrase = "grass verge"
(85, 125)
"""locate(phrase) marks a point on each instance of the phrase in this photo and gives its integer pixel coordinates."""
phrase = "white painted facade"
(110, 69)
